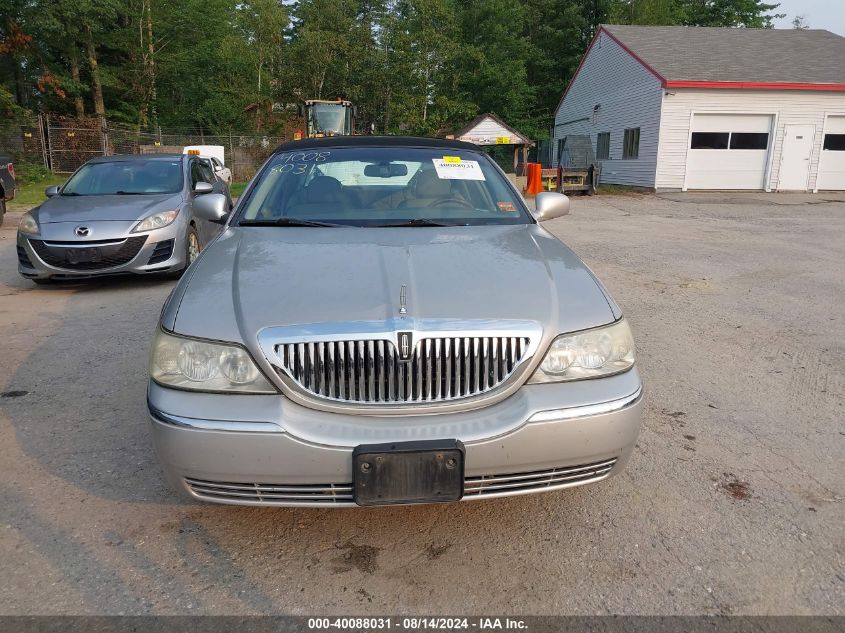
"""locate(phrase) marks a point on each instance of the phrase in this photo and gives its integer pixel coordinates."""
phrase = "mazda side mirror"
(203, 187)
(51, 191)
(213, 207)
(549, 205)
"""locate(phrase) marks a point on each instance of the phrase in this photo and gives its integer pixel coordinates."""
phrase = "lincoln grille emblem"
(405, 346)
(82, 231)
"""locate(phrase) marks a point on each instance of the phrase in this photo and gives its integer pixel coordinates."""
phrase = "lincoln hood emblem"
(403, 300)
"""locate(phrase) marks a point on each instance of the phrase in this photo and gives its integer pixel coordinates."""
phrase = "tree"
(746, 13)
(800, 22)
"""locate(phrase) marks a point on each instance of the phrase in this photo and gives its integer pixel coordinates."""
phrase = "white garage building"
(677, 108)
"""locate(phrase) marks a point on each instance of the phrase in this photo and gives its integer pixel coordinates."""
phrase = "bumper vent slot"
(23, 258)
(271, 493)
(100, 258)
(370, 371)
(500, 485)
(162, 252)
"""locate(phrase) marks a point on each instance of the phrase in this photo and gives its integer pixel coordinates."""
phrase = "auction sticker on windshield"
(454, 168)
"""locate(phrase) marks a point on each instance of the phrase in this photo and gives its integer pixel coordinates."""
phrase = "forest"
(411, 66)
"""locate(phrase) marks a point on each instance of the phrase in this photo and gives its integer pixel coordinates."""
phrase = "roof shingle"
(694, 53)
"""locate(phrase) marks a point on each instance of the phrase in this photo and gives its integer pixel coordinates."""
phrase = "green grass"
(237, 188)
(32, 194)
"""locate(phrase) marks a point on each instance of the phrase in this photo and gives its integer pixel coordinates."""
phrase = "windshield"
(141, 176)
(328, 118)
(380, 186)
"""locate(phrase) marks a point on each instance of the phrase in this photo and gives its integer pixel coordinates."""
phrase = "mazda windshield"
(381, 187)
(126, 177)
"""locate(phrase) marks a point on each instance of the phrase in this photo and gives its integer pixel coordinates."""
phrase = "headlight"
(156, 221)
(590, 354)
(198, 365)
(28, 224)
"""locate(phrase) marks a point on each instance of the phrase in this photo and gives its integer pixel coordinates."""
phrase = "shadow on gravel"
(84, 415)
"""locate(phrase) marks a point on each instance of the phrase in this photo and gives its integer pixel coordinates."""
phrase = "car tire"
(2, 209)
(192, 251)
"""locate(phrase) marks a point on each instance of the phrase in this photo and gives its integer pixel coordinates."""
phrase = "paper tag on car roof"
(461, 170)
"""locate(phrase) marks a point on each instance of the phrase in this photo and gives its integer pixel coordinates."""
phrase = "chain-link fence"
(72, 142)
(24, 140)
(63, 144)
(244, 153)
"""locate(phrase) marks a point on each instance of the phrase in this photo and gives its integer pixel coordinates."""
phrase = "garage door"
(832, 160)
(728, 151)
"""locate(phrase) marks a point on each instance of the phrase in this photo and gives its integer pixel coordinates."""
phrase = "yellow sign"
(451, 159)
(503, 140)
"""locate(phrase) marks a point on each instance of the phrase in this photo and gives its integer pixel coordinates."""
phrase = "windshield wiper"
(130, 193)
(417, 222)
(70, 193)
(287, 222)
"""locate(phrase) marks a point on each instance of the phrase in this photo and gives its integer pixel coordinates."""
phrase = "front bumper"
(267, 450)
(59, 254)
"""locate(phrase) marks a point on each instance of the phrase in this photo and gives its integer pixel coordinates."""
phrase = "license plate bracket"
(84, 254)
(425, 471)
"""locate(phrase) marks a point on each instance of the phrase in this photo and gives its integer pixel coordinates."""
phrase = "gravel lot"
(733, 502)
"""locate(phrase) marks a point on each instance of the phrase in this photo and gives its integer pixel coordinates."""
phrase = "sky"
(819, 14)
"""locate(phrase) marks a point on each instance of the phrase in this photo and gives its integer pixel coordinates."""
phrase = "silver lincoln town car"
(385, 321)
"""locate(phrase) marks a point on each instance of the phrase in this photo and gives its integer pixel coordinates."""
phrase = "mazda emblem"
(82, 231)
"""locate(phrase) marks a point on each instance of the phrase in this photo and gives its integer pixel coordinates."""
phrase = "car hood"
(93, 208)
(252, 278)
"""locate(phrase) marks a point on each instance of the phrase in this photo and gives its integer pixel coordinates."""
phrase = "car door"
(219, 184)
(221, 170)
(202, 173)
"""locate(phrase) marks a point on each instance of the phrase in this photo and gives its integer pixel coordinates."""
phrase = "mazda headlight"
(590, 354)
(199, 365)
(28, 224)
(156, 221)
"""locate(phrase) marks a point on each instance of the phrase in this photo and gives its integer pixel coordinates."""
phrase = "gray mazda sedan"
(385, 321)
(118, 215)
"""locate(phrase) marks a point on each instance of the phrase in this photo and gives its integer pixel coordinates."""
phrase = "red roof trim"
(623, 47)
(635, 56)
(753, 85)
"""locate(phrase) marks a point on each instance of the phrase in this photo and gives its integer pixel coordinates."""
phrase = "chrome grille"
(515, 483)
(478, 487)
(271, 493)
(370, 371)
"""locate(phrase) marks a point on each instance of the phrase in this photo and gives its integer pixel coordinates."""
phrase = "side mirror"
(51, 191)
(549, 205)
(203, 187)
(213, 207)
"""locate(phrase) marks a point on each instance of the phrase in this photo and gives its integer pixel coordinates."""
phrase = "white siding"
(787, 106)
(629, 95)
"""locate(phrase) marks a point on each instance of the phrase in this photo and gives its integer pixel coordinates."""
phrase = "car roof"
(124, 157)
(375, 141)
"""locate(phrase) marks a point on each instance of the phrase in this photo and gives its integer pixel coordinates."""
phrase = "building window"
(603, 146)
(749, 140)
(631, 143)
(834, 142)
(710, 140)
(730, 140)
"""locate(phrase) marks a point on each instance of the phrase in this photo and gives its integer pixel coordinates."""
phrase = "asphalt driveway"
(733, 501)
